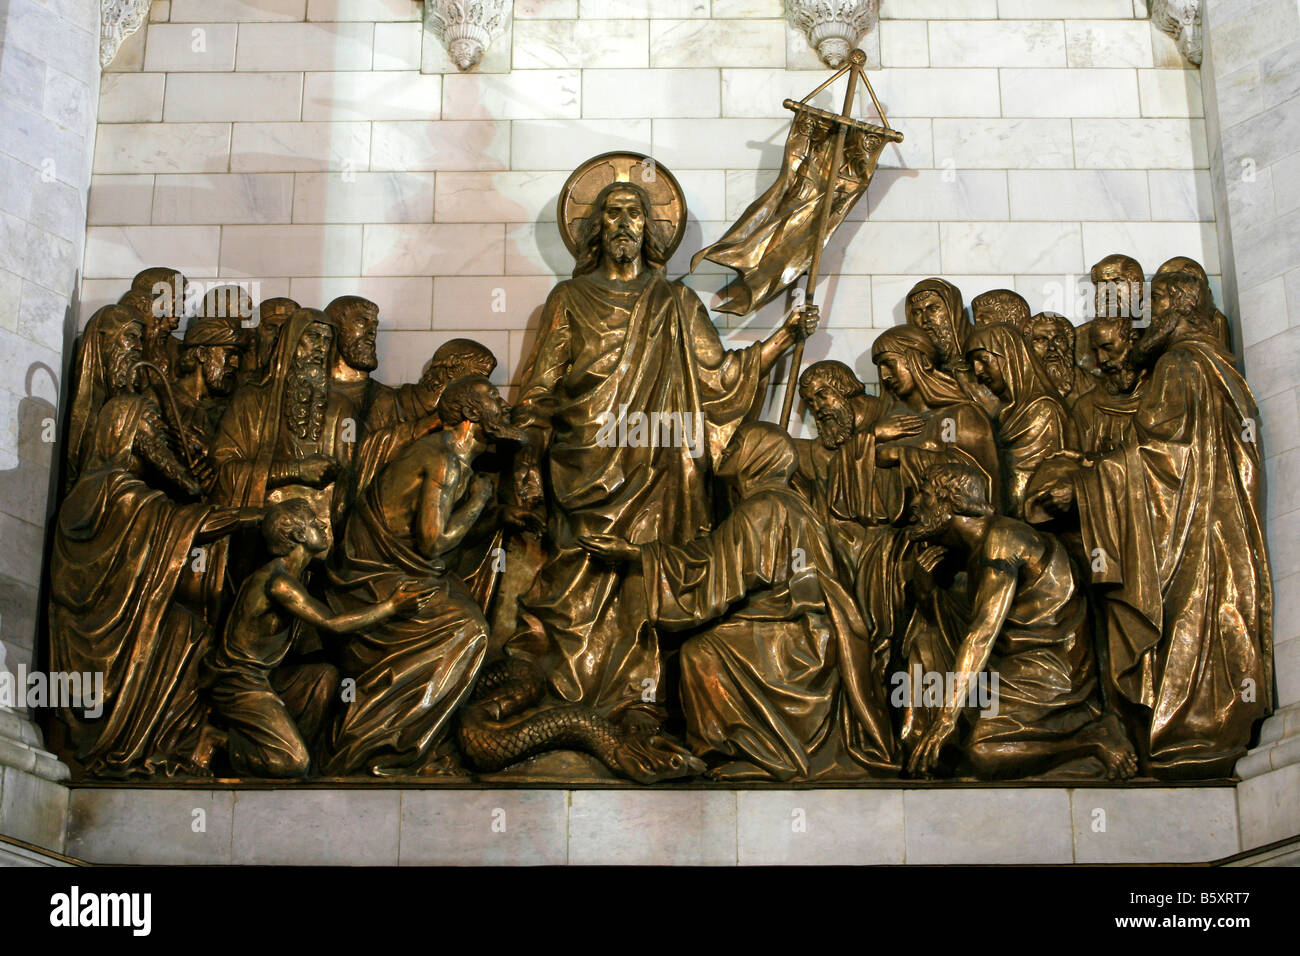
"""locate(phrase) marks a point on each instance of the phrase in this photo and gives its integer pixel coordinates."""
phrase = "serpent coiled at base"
(494, 733)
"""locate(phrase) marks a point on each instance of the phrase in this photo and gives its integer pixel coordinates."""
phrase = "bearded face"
(1116, 294)
(831, 410)
(930, 516)
(929, 313)
(1053, 347)
(126, 350)
(357, 340)
(1113, 344)
(492, 413)
(622, 226)
(306, 389)
(220, 364)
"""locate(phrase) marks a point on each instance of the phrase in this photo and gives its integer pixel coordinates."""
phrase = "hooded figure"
(1033, 423)
(275, 433)
(120, 548)
(778, 684)
(93, 385)
(947, 327)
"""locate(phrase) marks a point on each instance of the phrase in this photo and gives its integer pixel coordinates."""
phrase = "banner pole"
(856, 58)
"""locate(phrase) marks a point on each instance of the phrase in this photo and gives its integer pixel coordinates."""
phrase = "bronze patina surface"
(1036, 554)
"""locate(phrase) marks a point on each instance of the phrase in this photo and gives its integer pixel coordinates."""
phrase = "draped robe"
(645, 347)
(781, 679)
(1177, 511)
(411, 673)
(1034, 423)
(120, 548)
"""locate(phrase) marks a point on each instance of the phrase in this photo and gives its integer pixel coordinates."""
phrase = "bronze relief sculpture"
(1037, 553)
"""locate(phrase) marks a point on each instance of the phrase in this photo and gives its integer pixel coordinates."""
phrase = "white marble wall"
(297, 144)
(49, 75)
(1252, 76)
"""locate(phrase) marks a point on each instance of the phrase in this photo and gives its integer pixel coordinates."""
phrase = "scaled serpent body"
(494, 733)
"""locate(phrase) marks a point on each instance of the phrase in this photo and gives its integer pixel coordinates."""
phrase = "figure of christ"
(273, 713)
(1028, 626)
(619, 340)
(412, 674)
(1175, 513)
(776, 675)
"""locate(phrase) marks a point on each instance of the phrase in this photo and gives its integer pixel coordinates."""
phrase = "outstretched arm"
(288, 591)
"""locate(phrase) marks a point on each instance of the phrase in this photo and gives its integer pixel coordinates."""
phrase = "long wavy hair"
(654, 239)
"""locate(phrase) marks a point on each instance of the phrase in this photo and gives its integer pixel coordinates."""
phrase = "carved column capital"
(118, 20)
(834, 27)
(467, 27)
(1181, 19)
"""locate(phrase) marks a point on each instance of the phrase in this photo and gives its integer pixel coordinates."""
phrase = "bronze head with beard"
(934, 306)
(1180, 308)
(307, 374)
(214, 346)
(948, 490)
(121, 337)
(828, 389)
(1190, 266)
(475, 399)
(1114, 344)
(1051, 336)
(357, 320)
(605, 234)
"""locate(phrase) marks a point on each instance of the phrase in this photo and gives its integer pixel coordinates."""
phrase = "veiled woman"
(778, 683)
(916, 631)
(1033, 423)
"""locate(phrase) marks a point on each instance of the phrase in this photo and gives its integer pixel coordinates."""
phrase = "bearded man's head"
(1051, 336)
(948, 490)
(621, 227)
(1180, 306)
(307, 383)
(828, 389)
(1114, 342)
(1117, 282)
(475, 399)
(358, 323)
(122, 347)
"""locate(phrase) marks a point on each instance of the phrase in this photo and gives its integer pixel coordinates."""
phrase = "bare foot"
(210, 741)
(1113, 747)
